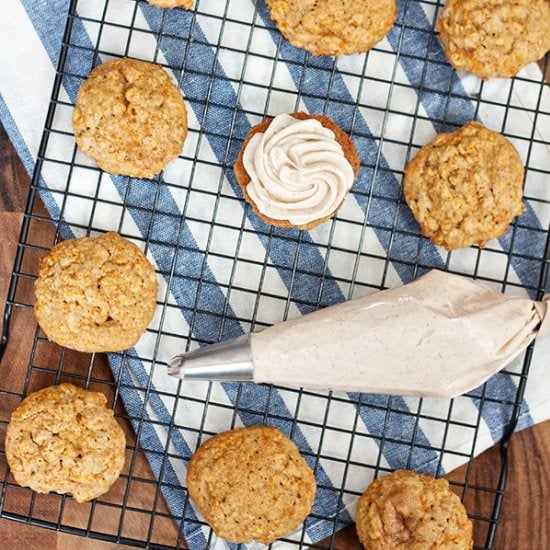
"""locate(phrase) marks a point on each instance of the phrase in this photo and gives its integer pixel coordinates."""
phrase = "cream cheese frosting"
(441, 335)
(298, 171)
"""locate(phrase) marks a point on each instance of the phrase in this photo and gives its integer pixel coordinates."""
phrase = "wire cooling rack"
(134, 512)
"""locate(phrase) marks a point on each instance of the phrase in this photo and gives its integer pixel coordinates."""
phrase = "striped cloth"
(300, 273)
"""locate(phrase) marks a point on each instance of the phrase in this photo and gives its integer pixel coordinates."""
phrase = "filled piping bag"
(441, 335)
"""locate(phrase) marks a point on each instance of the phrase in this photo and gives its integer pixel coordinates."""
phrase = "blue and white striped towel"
(217, 69)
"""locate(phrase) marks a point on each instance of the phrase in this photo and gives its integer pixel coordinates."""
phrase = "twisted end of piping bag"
(543, 309)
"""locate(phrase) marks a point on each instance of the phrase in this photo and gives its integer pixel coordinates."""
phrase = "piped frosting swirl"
(298, 171)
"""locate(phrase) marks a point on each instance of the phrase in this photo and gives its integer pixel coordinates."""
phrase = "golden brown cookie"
(95, 294)
(130, 117)
(494, 38)
(465, 187)
(251, 484)
(409, 511)
(171, 3)
(65, 439)
(243, 178)
(333, 27)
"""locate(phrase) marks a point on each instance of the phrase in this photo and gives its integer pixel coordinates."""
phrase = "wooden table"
(525, 518)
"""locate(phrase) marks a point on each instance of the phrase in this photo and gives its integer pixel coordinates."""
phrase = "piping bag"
(441, 335)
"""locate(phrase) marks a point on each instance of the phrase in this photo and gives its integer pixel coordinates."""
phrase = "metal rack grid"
(134, 512)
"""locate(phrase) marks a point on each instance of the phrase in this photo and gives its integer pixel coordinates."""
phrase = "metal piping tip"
(229, 361)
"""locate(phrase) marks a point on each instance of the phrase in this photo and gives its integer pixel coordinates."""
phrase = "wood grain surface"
(526, 511)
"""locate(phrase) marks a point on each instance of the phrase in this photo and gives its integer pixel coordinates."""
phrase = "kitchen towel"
(252, 275)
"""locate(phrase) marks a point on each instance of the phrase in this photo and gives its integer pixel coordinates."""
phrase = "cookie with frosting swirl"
(296, 169)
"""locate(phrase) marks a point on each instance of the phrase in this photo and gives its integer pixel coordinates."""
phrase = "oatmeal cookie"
(293, 189)
(95, 294)
(409, 511)
(171, 3)
(65, 439)
(465, 187)
(333, 27)
(251, 484)
(494, 38)
(130, 117)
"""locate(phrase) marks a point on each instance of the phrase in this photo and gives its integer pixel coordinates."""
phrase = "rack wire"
(134, 512)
